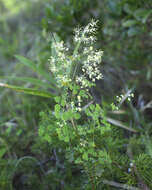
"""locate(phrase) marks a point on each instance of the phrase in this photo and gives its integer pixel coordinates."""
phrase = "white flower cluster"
(119, 98)
(78, 108)
(83, 81)
(84, 57)
(131, 166)
(130, 96)
(91, 58)
(86, 34)
(91, 64)
(60, 124)
(60, 63)
(83, 142)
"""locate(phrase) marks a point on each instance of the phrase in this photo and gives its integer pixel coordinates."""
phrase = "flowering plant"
(81, 69)
(76, 123)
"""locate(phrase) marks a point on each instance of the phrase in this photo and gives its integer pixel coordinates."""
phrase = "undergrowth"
(79, 142)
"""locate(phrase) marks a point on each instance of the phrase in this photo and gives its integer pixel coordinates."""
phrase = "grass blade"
(32, 80)
(34, 67)
(30, 91)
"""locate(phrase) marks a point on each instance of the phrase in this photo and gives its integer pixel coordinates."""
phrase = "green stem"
(75, 66)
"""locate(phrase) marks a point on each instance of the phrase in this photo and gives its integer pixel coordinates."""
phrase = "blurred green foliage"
(124, 33)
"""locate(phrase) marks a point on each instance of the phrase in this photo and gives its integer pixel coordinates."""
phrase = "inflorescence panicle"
(88, 59)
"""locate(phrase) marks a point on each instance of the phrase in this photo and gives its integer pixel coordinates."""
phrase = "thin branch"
(86, 106)
(148, 105)
(120, 185)
(120, 124)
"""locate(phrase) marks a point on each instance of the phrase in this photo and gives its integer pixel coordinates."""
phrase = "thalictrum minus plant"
(75, 126)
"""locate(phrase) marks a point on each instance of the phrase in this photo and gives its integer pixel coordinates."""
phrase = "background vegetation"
(27, 160)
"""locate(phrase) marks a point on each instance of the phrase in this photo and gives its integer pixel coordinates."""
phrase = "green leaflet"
(57, 111)
(85, 156)
(3, 150)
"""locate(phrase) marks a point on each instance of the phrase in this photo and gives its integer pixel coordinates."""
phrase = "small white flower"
(131, 164)
(129, 170)
(79, 109)
(79, 98)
